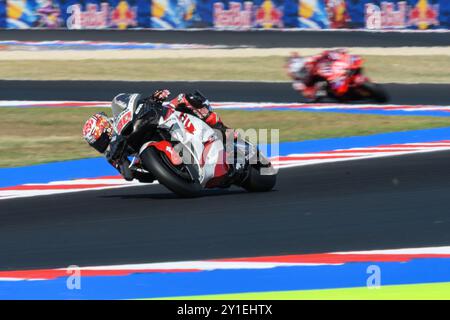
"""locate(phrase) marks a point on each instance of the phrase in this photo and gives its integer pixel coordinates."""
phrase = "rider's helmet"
(198, 100)
(296, 66)
(98, 131)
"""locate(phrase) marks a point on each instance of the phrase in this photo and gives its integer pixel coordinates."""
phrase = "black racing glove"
(124, 169)
(160, 95)
(117, 157)
(117, 148)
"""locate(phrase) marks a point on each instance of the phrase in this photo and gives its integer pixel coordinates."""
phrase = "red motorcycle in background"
(334, 74)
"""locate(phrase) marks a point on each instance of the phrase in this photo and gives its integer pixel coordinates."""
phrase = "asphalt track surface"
(257, 38)
(382, 203)
(394, 202)
(438, 94)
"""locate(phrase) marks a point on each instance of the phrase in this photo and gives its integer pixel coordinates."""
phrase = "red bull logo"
(268, 15)
(91, 18)
(247, 15)
(337, 13)
(390, 16)
(235, 17)
(100, 17)
(386, 17)
(424, 15)
(124, 16)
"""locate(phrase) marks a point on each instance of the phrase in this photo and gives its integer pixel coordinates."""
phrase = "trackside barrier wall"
(225, 14)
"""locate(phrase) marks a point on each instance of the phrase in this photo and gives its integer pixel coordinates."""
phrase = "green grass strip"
(427, 291)
(404, 69)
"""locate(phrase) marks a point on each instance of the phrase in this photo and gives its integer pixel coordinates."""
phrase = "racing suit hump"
(123, 101)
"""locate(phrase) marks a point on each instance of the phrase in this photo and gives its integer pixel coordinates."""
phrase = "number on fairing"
(187, 123)
(125, 118)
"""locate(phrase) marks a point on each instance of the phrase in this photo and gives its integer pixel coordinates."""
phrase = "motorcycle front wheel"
(258, 182)
(175, 178)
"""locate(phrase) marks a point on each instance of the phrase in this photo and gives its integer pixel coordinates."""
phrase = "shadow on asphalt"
(172, 196)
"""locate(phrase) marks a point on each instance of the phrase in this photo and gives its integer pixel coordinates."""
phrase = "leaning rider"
(99, 131)
(303, 70)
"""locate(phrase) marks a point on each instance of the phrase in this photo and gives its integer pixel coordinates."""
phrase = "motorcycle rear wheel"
(374, 91)
(153, 161)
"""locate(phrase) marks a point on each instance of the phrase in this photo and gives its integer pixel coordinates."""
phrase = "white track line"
(228, 264)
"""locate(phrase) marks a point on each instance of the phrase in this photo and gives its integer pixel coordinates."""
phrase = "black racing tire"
(256, 182)
(153, 162)
(376, 92)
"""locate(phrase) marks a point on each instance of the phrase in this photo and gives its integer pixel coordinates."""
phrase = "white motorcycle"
(187, 156)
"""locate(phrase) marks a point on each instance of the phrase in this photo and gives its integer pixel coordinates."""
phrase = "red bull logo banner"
(75, 14)
(420, 14)
(102, 15)
(226, 14)
(248, 14)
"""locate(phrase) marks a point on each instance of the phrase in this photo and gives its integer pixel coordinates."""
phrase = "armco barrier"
(225, 14)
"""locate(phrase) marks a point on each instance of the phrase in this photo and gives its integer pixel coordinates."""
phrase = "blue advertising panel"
(312, 14)
(2, 13)
(226, 14)
(168, 14)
